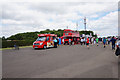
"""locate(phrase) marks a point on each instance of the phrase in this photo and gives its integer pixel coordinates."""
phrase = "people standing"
(113, 40)
(63, 41)
(82, 40)
(78, 40)
(55, 43)
(87, 43)
(70, 42)
(104, 42)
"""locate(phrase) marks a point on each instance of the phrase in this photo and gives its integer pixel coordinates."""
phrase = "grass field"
(13, 47)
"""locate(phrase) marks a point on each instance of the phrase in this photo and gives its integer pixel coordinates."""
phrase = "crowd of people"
(113, 41)
(105, 41)
(89, 40)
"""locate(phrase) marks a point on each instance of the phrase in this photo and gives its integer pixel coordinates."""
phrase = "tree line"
(33, 35)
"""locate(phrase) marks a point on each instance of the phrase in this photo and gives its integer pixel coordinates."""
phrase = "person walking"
(117, 52)
(94, 40)
(113, 40)
(109, 40)
(104, 42)
(91, 40)
(87, 43)
(16, 46)
(97, 40)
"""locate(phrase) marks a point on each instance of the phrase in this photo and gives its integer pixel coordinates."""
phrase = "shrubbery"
(6, 44)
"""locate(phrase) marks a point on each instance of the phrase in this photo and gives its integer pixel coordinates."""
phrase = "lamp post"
(85, 28)
(67, 27)
(85, 23)
(76, 26)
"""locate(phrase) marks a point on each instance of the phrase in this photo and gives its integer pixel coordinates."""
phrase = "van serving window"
(47, 39)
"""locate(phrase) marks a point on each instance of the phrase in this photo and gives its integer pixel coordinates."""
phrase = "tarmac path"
(74, 61)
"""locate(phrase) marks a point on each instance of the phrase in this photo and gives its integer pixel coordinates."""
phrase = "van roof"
(47, 35)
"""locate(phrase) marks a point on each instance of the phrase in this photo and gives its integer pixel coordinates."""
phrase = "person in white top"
(63, 41)
(92, 40)
(82, 40)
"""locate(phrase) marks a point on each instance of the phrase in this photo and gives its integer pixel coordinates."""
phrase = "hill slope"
(33, 35)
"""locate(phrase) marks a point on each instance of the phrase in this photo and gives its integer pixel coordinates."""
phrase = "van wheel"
(45, 47)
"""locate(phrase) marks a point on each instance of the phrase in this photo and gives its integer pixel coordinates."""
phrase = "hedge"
(6, 44)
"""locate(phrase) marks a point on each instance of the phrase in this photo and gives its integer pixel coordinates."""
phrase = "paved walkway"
(74, 61)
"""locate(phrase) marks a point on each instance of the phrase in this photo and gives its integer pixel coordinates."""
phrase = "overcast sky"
(18, 17)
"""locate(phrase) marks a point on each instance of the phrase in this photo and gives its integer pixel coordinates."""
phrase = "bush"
(6, 44)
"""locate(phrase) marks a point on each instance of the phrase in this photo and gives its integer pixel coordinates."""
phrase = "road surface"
(74, 61)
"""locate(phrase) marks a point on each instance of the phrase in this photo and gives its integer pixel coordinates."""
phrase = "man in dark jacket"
(118, 47)
(113, 40)
(57, 41)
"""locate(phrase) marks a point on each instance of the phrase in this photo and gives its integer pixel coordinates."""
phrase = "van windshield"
(67, 37)
(41, 38)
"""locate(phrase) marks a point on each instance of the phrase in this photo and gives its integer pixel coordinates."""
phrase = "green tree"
(3, 38)
(47, 29)
(59, 29)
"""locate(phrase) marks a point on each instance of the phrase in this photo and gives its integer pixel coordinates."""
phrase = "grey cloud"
(35, 16)
(54, 7)
(50, 8)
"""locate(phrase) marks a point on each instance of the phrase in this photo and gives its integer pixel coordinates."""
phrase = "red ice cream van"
(44, 41)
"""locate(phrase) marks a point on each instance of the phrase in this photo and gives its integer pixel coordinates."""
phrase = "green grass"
(13, 47)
